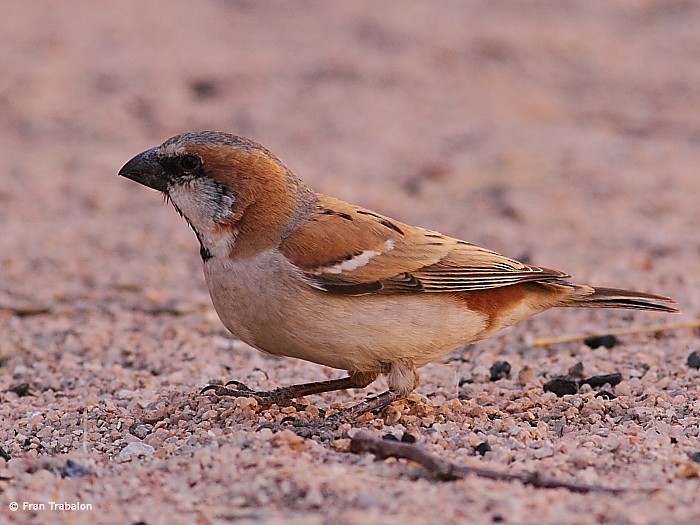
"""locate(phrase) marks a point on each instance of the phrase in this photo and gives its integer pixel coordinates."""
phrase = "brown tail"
(589, 297)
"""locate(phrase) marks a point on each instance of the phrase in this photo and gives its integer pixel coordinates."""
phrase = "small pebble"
(695, 456)
(408, 438)
(576, 370)
(141, 431)
(21, 389)
(561, 385)
(392, 415)
(526, 375)
(482, 448)
(598, 381)
(136, 449)
(499, 370)
(694, 360)
(72, 469)
(605, 394)
(389, 437)
(608, 341)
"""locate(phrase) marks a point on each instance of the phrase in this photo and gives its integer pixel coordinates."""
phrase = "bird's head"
(236, 195)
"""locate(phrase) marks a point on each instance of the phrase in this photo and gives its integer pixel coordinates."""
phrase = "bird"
(296, 273)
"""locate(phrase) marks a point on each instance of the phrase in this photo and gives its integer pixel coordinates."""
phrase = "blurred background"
(563, 133)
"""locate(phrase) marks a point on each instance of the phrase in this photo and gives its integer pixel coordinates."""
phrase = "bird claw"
(264, 399)
(240, 391)
(241, 387)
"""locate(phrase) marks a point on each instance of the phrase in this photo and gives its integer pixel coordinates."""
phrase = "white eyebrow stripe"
(171, 150)
(352, 264)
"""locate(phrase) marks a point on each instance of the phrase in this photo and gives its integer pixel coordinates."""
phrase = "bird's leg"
(402, 378)
(284, 395)
(327, 428)
(378, 402)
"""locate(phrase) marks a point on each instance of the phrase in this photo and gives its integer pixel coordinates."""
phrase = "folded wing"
(349, 250)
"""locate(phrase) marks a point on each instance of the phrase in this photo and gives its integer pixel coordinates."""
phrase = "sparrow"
(296, 273)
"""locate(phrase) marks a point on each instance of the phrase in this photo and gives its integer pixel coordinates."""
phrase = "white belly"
(264, 302)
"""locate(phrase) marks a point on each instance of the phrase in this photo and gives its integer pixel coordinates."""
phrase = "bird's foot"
(329, 427)
(265, 398)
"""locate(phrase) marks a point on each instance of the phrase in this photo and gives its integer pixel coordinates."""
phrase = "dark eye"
(189, 162)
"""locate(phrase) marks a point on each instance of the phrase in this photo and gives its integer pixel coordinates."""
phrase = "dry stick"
(445, 470)
(26, 310)
(620, 331)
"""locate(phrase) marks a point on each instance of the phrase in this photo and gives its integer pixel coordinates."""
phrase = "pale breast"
(265, 302)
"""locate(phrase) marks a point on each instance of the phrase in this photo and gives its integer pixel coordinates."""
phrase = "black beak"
(145, 169)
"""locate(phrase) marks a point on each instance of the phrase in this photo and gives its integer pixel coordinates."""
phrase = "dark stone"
(408, 438)
(21, 390)
(605, 394)
(73, 469)
(608, 341)
(500, 370)
(561, 385)
(694, 360)
(598, 381)
(482, 448)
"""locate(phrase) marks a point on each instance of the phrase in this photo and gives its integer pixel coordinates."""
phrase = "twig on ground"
(25, 310)
(620, 331)
(445, 470)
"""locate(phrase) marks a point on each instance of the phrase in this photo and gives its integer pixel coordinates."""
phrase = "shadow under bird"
(295, 273)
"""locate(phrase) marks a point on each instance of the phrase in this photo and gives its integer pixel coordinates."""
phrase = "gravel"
(565, 134)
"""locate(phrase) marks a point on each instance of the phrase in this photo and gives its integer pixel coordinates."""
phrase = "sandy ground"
(566, 133)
